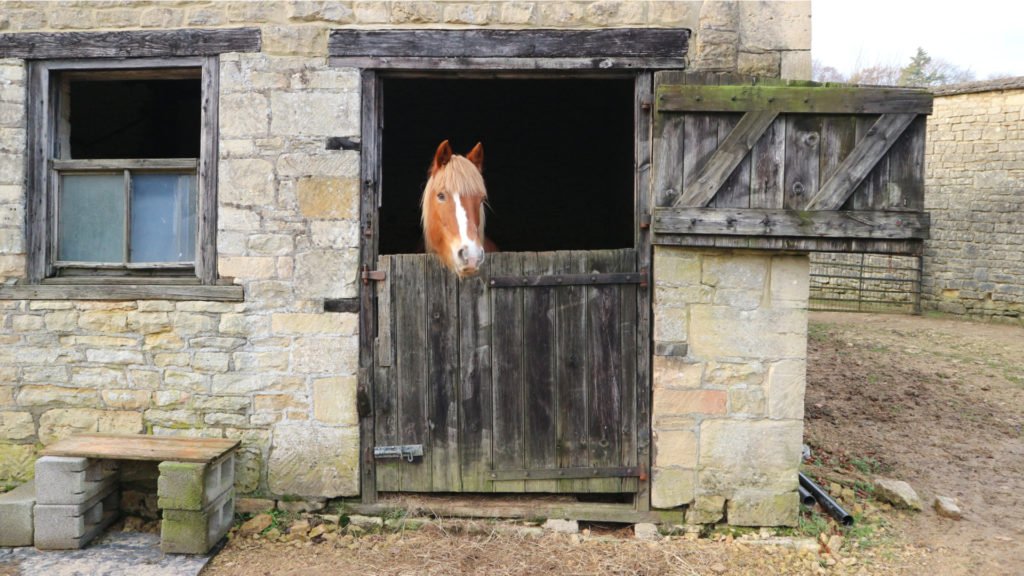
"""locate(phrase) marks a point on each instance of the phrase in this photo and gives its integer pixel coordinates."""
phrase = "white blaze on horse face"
(468, 253)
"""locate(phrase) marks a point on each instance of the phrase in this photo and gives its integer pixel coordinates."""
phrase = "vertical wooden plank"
(36, 212)
(803, 138)
(644, 86)
(668, 143)
(366, 393)
(571, 372)
(410, 328)
(905, 190)
(206, 227)
(442, 390)
(701, 133)
(867, 196)
(539, 372)
(605, 368)
(628, 409)
(768, 158)
(735, 191)
(838, 137)
(475, 391)
(385, 400)
(507, 346)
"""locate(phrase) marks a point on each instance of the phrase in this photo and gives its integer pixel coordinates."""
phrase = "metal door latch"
(406, 451)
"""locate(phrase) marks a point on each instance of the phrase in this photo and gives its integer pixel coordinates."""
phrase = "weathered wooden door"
(522, 379)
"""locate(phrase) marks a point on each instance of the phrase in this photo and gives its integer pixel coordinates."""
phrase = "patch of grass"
(818, 332)
(811, 523)
(866, 465)
(394, 514)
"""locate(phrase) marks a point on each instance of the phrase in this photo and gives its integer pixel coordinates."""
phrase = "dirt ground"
(936, 402)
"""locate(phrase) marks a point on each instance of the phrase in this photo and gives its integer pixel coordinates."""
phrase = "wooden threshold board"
(141, 447)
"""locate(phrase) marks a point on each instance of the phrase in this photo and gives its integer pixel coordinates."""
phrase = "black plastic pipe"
(826, 502)
(805, 497)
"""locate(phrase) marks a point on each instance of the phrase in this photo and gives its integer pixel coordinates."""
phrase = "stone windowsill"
(219, 293)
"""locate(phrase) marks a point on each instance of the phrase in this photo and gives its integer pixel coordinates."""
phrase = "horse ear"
(442, 156)
(476, 156)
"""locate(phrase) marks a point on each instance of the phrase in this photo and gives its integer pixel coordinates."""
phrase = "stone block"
(562, 526)
(706, 509)
(755, 508)
(722, 332)
(749, 454)
(787, 380)
(308, 460)
(17, 461)
(193, 486)
(675, 448)
(305, 323)
(70, 480)
(672, 487)
(69, 527)
(670, 401)
(790, 281)
(253, 505)
(196, 531)
(676, 372)
(16, 515)
(334, 401)
(16, 425)
(328, 198)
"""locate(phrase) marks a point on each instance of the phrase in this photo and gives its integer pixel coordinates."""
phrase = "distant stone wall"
(277, 371)
(974, 260)
(730, 337)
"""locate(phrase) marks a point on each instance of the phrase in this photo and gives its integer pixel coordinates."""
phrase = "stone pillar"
(730, 331)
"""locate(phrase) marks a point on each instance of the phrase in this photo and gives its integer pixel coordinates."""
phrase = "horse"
(453, 210)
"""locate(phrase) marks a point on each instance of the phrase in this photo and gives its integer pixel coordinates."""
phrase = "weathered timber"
(613, 42)
(559, 473)
(129, 44)
(37, 205)
(507, 353)
(369, 373)
(113, 291)
(464, 67)
(410, 309)
(856, 166)
(475, 384)
(905, 247)
(726, 158)
(643, 121)
(571, 373)
(385, 391)
(531, 281)
(539, 371)
(141, 447)
(209, 153)
(474, 508)
(793, 99)
(442, 388)
(127, 164)
(801, 166)
(906, 164)
(769, 222)
(767, 160)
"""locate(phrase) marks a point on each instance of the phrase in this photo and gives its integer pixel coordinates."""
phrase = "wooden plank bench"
(77, 488)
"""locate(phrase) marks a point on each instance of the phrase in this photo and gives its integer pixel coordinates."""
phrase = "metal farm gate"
(522, 379)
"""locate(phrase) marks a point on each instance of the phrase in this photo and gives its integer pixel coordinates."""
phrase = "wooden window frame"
(197, 282)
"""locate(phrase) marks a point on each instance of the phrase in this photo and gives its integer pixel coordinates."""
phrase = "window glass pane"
(91, 218)
(163, 217)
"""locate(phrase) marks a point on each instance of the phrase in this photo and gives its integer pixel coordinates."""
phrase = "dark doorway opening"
(558, 158)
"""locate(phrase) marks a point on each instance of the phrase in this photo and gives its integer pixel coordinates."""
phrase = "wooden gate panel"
(539, 371)
(385, 422)
(571, 372)
(735, 192)
(870, 194)
(801, 164)
(507, 368)
(766, 161)
(411, 363)
(475, 384)
(442, 370)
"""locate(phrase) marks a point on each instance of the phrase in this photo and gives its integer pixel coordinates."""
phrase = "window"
(125, 171)
(122, 188)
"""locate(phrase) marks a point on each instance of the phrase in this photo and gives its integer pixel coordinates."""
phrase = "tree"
(922, 71)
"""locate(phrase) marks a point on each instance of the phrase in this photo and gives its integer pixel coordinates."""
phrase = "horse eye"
(440, 196)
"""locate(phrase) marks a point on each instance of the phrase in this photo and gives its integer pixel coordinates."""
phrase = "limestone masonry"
(278, 373)
(974, 261)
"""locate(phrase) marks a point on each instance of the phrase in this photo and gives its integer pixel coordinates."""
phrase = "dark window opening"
(130, 119)
(558, 158)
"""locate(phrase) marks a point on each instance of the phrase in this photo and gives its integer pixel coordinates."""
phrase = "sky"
(986, 36)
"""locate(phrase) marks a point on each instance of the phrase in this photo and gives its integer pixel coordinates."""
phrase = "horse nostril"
(462, 253)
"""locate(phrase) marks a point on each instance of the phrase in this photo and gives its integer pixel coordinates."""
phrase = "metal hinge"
(645, 274)
(645, 221)
(406, 451)
(374, 275)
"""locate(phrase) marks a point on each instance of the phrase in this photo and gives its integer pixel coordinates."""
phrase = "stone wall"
(730, 337)
(974, 261)
(276, 371)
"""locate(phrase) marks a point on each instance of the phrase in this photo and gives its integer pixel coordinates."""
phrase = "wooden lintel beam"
(730, 153)
(793, 99)
(491, 43)
(129, 43)
(859, 163)
(791, 223)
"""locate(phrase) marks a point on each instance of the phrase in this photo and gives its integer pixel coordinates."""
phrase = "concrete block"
(192, 486)
(71, 480)
(72, 526)
(196, 531)
(16, 515)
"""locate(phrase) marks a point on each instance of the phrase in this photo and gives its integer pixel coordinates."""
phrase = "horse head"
(453, 209)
